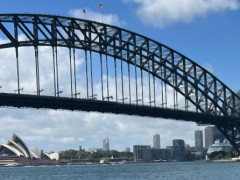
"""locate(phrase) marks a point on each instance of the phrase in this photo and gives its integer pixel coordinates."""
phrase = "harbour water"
(143, 171)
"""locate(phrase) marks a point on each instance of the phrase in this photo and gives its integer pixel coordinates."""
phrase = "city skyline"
(198, 136)
(211, 133)
(208, 34)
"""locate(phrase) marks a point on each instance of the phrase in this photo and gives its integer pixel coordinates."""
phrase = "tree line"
(85, 155)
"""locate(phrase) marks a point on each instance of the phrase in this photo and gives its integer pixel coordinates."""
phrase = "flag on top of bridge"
(84, 12)
(100, 6)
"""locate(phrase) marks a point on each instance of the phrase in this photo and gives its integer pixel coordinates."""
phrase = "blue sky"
(206, 31)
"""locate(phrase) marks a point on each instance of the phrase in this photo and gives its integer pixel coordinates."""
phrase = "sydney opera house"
(16, 150)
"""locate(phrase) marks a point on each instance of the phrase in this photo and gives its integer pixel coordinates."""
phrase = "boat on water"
(14, 165)
(104, 161)
(123, 162)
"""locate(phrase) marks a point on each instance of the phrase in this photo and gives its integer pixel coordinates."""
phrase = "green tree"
(68, 154)
(82, 154)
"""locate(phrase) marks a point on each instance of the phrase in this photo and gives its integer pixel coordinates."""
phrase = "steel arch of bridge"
(207, 93)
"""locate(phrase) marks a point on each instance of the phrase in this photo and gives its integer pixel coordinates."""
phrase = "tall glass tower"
(106, 144)
(199, 140)
(179, 149)
(156, 141)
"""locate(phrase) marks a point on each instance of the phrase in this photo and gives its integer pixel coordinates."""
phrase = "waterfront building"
(189, 155)
(199, 141)
(106, 144)
(171, 150)
(160, 154)
(179, 149)
(211, 135)
(156, 141)
(197, 155)
(187, 147)
(16, 147)
(218, 146)
(126, 149)
(36, 151)
(142, 153)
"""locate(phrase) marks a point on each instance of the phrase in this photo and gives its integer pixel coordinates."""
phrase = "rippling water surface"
(148, 171)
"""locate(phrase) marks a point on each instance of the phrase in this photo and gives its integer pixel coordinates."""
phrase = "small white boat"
(124, 162)
(104, 161)
(14, 165)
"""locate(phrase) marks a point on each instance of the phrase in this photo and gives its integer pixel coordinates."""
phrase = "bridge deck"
(49, 102)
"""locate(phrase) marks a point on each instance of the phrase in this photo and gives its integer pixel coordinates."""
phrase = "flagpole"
(84, 12)
(100, 7)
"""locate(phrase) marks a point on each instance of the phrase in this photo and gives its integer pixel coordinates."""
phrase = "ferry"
(104, 161)
(14, 165)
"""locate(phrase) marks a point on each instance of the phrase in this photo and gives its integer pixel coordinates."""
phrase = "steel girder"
(206, 92)
(199, 86)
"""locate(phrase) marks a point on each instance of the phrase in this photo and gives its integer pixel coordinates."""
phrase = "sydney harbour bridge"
(92, 66)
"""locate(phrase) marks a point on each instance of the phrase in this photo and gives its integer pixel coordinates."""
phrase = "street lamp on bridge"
(150, 103)
(57, 93)
(94, 96)
(18, 90)
(123, 99)
(77, 94)
(38, 92)
(136, 101)
(108, 97)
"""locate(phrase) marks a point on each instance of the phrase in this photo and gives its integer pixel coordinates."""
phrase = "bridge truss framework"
(132, 53)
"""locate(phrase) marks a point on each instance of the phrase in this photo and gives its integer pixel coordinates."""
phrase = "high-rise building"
(142, 153)
(160, 154)
(156, 141)
(171, 150)
(126, 149)
(179, 149)
(209, 140)
(106, 144)
(199, 140)
(211, 135)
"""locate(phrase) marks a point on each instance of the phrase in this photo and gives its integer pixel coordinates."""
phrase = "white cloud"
(111, 19)
(160, 13)
(34, 138)
(208, 67)
(81, 139)
(67, 140)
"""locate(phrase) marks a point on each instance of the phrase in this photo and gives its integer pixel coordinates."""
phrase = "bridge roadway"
(73, 104)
